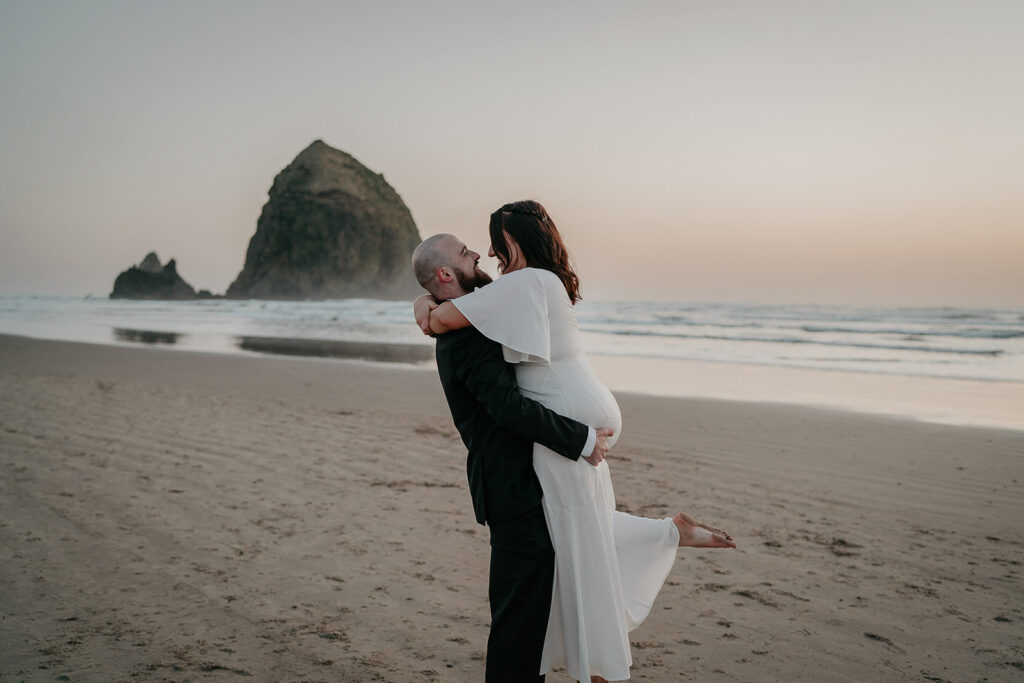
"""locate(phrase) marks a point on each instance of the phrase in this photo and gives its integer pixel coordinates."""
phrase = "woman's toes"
(694, 534)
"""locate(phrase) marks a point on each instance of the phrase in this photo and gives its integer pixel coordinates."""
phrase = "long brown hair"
(528, 223)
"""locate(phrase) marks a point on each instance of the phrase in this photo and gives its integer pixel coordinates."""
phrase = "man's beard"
(470, 281)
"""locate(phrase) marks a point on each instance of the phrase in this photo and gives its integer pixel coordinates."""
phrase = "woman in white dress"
(609, 566)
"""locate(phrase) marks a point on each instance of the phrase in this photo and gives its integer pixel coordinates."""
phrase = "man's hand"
(600, 446)
(421, 309)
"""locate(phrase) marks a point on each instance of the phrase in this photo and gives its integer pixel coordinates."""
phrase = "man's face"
(465, 264)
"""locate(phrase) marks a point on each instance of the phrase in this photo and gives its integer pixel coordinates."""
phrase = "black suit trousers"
(522, 576)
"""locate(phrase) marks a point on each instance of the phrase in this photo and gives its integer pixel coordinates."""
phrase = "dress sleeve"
(513, 311)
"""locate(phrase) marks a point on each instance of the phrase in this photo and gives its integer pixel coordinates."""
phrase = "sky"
(793, 152)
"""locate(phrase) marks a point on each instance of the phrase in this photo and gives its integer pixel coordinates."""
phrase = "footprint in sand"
(885, 641)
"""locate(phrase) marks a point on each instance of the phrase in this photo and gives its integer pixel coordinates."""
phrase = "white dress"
(609, 566)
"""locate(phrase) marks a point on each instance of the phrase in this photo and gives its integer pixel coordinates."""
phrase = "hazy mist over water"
(792, 152)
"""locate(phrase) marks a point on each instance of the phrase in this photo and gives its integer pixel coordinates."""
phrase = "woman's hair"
(531, 227)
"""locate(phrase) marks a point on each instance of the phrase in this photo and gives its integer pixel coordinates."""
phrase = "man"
(499, 427)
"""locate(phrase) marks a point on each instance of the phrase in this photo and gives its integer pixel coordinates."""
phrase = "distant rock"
(332, 228)
(151, 264)
(150, 280)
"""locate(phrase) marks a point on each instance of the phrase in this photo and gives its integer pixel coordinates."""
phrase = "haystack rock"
(332, 229)
(151, 280)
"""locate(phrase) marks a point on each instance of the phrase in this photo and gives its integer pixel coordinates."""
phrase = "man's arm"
(492, 382)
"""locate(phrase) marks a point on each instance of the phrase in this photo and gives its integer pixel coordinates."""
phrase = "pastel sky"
(818, 152)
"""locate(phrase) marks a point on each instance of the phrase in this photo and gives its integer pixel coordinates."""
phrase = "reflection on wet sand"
(388, 353)
(146, 336)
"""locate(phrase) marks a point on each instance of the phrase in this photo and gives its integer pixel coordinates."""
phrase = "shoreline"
(187, 516)
(934, 400)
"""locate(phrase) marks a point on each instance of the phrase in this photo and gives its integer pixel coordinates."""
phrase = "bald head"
(431, 255)
(446, 268)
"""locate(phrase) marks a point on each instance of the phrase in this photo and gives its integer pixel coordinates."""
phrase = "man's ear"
(445, 274)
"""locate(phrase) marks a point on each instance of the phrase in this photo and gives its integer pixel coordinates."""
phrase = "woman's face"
(516, 260)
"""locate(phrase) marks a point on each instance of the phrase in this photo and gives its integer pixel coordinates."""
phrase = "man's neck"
(451, 293)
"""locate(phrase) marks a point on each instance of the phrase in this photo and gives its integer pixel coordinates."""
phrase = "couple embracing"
(570, 575)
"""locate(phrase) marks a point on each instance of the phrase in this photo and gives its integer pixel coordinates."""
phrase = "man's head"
(446, 268)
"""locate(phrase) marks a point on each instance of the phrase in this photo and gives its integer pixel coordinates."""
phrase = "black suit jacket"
(499, 425)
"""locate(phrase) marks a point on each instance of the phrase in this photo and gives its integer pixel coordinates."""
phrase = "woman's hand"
(421, 309)
(437, 317)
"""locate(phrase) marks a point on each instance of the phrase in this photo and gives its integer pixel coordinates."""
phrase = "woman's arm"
(446, 318)
(434, 318)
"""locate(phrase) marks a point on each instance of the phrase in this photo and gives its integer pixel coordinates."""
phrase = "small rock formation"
(150, 280)
(151, 264)
(331, 229)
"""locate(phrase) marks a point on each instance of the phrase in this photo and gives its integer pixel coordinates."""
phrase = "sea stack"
(331, 229)
(151, 280)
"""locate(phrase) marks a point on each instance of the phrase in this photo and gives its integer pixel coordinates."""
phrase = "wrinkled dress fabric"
(609, 566)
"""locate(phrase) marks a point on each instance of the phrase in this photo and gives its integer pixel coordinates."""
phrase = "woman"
(609, 565)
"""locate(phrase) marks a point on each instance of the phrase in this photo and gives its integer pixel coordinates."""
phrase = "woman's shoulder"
(522, 280)
(538, 277)
(550, 284)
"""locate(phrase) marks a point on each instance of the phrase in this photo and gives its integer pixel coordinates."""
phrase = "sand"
(173, 515)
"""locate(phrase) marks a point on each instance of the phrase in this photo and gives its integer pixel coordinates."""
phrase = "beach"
(184, 515)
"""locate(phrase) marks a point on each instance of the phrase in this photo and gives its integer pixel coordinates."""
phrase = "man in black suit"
(499, 427)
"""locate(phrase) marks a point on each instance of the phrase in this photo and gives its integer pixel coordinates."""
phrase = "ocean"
(634, 339)
(962, 343)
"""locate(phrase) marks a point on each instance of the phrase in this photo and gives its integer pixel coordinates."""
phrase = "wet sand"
(172, 515)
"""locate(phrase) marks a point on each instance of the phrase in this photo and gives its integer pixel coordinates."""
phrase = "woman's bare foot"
(697, 535)
(598, 679)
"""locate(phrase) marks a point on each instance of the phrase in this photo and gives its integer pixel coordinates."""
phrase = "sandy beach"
(175, 515)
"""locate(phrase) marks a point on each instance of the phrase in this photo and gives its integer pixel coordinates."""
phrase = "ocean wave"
(684, 321)
(873, 369)
(970, 333)
(797, 340)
